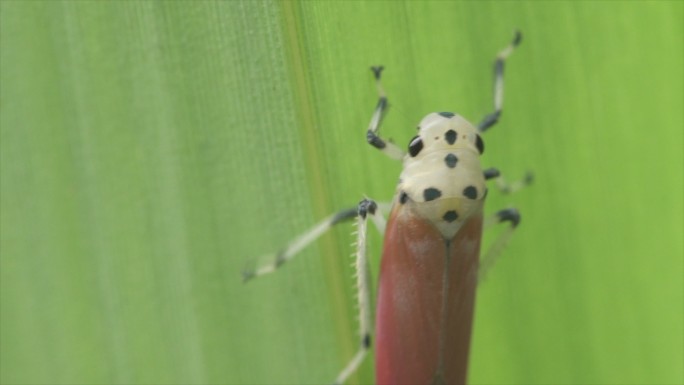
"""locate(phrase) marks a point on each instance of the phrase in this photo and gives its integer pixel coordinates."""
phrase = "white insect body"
(442, 180)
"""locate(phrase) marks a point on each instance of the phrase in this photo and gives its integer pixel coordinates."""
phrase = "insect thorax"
(442, 180)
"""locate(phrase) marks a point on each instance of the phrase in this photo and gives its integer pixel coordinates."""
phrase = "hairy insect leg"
(388, 148)
(493, 117)
(508, 187)
(512, 218)
(277, 259)
(366, 208)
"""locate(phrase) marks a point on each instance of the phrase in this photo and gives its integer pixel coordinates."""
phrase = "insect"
(430, 263)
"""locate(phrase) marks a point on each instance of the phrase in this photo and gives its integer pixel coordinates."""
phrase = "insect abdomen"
(425, 301)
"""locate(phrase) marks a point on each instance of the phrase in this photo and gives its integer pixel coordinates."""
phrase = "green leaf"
(149, 150)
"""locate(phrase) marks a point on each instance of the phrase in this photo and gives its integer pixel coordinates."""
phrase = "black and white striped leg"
(390, 149)
(274, 261)
(508, 187)
(493, 117)
(271, 262)
(366, 208)
(512, 218)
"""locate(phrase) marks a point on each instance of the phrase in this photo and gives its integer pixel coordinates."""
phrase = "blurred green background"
(150, 149)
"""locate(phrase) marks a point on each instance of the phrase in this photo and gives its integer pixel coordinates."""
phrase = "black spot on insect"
(375, 140)
(377, 70)
(446, 114)
(415, 145)
(479, 144)
(431, 193)
(450, 160)
(279, 259)
(470, 192)
(450, 216)
(510, 215)
(403, 197)
(366, 207)
(517, 38)
(450, 136)
(491, 173)
(366, 341)
(344, 215)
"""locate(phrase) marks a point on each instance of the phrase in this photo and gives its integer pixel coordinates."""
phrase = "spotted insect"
(430, 261)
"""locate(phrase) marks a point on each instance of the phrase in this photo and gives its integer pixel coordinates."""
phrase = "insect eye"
(479, 144)
(415, 145)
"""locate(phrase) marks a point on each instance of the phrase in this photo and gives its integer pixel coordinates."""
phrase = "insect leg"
(512, 218)
(508, 187)
(390, 149)
(366, 207)
(493, 117)
(289, 251)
